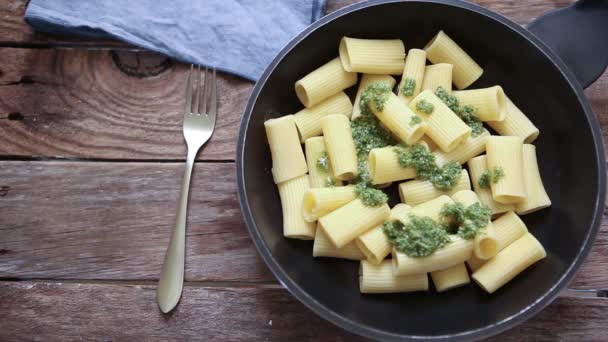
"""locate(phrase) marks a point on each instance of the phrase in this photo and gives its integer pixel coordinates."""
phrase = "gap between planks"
(106, 160)
(567, 293)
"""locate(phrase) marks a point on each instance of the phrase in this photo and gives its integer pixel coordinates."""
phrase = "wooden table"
(91, 159)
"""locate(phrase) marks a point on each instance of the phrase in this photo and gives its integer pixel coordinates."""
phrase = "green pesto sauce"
(415, 120)
(408, 86)
(369, 196)
(420, 237)
(425, 106)
(323, 162)
(467, 222)
(466, 113)
(423, 161)
(377, 93)
(491, 176)
(368, 134)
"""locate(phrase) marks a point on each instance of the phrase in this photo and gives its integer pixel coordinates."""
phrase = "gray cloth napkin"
(235, 36)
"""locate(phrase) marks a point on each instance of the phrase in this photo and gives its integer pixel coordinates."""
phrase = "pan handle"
(578, 34)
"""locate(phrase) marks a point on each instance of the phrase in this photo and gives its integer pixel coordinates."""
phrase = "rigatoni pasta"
(505, 159)
(372, 56)
(291, 193)
(509, 262)
(384, 166)
(318, 202)
(367, 80)
(417, 191)
(477, 169)
(442, 49)
(374, 243)
(325, 81)
(422, 135)
(438, 75)
(471, 147)
(490, 103)
(516, 123)
(456, 252)
(308, 120)
(320, 172)
(536, 196)
(379, 278)
(344, 224)
(507, 228)
(451, 277)
(323, 247)
(445, 127)
(397, 118)
(340, 146)
(413, 74)
(288, 160)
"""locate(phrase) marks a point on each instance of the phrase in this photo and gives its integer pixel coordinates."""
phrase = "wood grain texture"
(102, 312)
(85, 220)
(79, 220)
(86, 104)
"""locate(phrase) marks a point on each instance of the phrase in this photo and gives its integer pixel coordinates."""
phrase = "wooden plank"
(85, 220)
(59, 311)
(81, 220)
(102, 104)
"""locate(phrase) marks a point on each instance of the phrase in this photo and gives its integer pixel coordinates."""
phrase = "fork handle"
(171, 280)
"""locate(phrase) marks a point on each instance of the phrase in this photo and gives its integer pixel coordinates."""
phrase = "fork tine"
(205, 90)
(188, 105)
(198, 87)
(213, 106)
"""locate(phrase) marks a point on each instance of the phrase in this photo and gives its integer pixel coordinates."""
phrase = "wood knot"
(140, 64)
(4, 190)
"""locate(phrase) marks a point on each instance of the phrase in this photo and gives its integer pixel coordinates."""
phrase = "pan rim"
(364, 330)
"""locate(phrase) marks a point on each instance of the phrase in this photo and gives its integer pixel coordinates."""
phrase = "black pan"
(570, 154)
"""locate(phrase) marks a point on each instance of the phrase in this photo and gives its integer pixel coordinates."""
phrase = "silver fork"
(199, 122)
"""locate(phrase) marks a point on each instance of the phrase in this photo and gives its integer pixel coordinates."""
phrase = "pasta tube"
(490, 103)
(288, 160)
(470, 148)
(442, 49)
(384, 166)
(323, 247)
(509, 262)
(340, 146)
(507, 228)
(485, 242)
(379, 278)
(366, 80)
(308, 120)
(291, 193)
(477, 167)
(445, 128)
(418, 191)
(455, 252)
(505, 154)
(537, 197)
(450, 277)
(516, 123)
(413, 74)
(372, 56)
(318, 177)
(344, 224)
(374, 243)
(397, 118)
(321, 201)
(327, 80)
(438, 75)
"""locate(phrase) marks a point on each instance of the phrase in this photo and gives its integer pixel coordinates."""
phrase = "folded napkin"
(236, 36)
